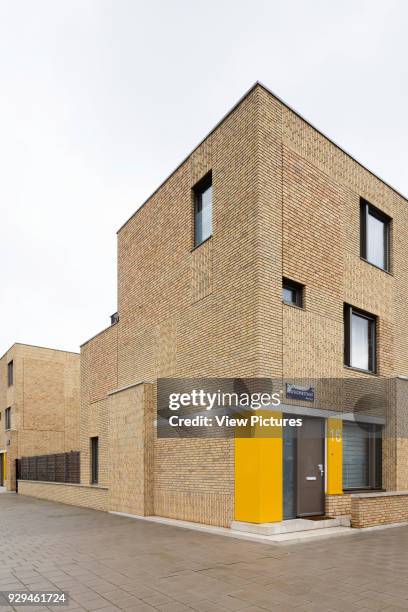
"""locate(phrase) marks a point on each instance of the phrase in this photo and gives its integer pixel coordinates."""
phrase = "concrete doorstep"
(292, 537)
(286, 537)
(290, 525)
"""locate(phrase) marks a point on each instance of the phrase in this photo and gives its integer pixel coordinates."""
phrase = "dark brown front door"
(310, 467)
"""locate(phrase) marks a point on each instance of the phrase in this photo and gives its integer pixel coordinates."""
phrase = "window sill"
(375, 266)
(293, 305)
(197, 246)
(369, 372)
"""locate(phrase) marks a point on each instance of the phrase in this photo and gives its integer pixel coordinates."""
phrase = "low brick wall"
(338, 505)
(206, 508)
(370, 509)
(86, 496)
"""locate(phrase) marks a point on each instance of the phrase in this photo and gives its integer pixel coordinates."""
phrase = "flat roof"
(246, 94)
(45, 348)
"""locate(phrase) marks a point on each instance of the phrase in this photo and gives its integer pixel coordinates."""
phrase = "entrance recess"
(310, 468)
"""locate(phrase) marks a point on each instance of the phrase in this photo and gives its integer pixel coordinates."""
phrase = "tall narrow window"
(10, 373)
(374, 236)
(359, 339)
(7, 419)
(203, 210)
(94, 460)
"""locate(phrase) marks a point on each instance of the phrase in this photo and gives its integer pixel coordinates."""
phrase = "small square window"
(359, 339)
(374, 236)
(203, 210)
(292, 293)
(10, 373)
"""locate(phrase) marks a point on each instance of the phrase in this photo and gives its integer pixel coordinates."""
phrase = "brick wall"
(44, 401)
(368, 511)
(131, 450)
(74, 495)
(285, 203)
(98, 378)
(338, 505)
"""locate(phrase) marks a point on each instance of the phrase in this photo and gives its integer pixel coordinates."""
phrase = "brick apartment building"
(269, 252)
(39, 405)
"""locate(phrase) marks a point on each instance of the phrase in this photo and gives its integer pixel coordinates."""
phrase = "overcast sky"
(100, 100)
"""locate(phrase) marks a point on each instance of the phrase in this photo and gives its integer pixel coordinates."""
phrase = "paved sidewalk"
(111, 563)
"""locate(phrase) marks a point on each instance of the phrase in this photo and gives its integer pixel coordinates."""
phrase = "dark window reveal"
(374, 236)
(10, 373)
(292, 293)
(7, 418)
(94, 460)
(203, 210)
(359, 339)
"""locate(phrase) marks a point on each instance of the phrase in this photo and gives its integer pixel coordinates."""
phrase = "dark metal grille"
(59, 467)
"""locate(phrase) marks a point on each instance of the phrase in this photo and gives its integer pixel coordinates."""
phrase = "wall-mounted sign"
(296, 392)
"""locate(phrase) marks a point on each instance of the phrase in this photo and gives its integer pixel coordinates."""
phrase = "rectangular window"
(362, 456)
(359, 339)
(203, 210)
(94, 460)
(292, 293)
(7, 419)
(374, 236)
(10, 373)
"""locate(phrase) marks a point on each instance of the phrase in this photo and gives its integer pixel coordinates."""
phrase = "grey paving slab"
(110, 563)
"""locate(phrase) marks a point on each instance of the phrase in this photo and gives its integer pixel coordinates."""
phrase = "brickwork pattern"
(98, 378)
(73, 495)
(338, 505)
(130, 443)
(44, 401)
(285, 203)
(381, 510)
(191, 303)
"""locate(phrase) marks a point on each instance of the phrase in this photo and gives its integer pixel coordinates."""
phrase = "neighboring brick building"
(269, 252)
(39, 405)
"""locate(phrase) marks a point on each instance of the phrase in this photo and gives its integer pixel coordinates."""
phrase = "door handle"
(320, 468)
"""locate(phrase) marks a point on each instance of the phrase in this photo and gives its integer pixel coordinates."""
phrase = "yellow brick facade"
(44, 403)
(286, 203)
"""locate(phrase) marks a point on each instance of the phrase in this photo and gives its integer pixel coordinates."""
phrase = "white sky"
(100, 100)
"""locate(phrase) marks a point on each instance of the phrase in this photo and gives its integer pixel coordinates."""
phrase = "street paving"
(108, 563)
